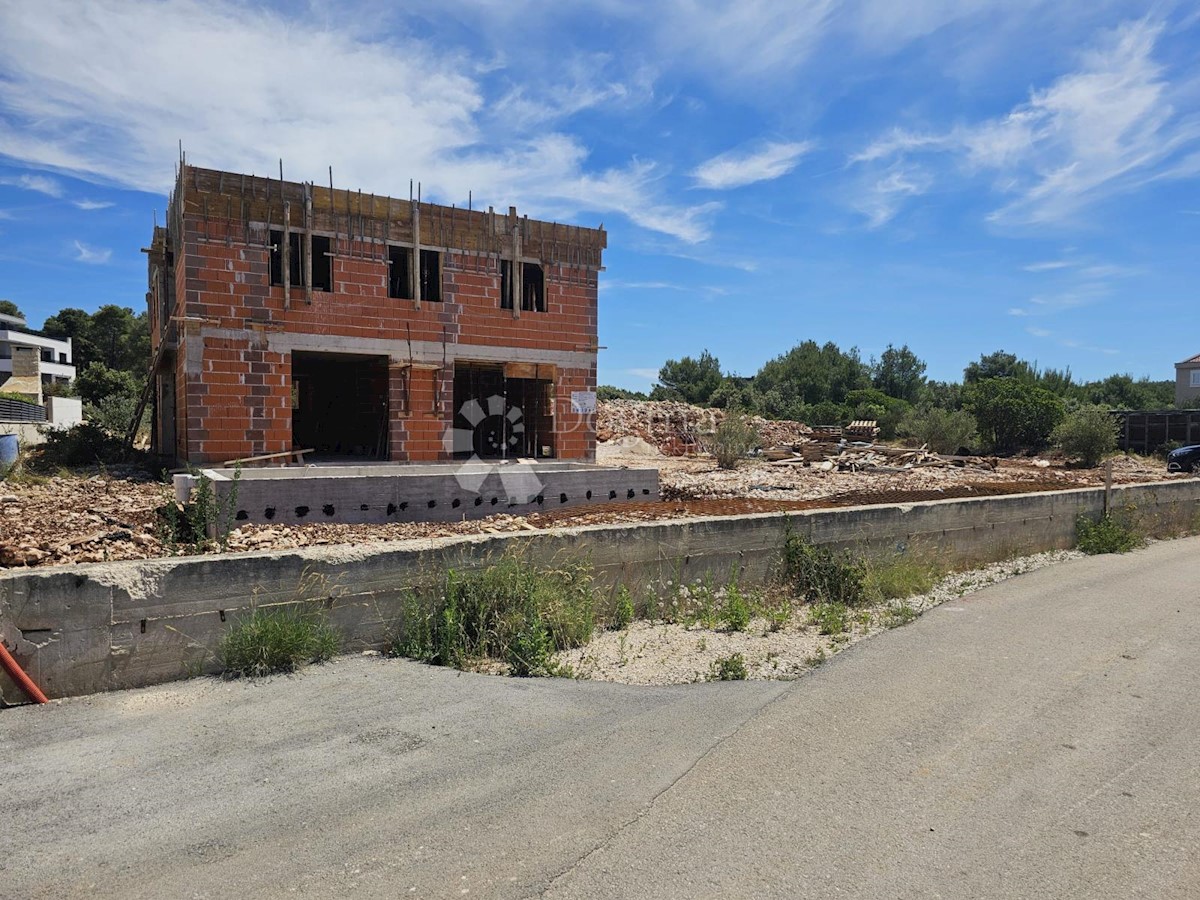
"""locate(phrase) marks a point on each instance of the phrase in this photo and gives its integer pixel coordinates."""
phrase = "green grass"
(1106, 535)
(512, 611)
(899, 577)
(267, 642)
(736, 611)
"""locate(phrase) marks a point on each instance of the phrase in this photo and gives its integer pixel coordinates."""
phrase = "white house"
(29, 362)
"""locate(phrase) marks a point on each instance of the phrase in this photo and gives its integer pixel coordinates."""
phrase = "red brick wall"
(239, 402)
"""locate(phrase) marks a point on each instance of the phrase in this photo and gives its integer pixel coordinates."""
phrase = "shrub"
(1106, 535)
(819, 574)
(1088, 433)
(272, 641)
(733, 439)
(513, 611)
(84, 444)
(943, 430)
(729, 668)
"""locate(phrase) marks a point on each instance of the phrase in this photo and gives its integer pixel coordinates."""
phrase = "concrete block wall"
(105, 626)
(237, 330)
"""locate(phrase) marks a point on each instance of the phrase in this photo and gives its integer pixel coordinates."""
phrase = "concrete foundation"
(98, 627)
(417, 493)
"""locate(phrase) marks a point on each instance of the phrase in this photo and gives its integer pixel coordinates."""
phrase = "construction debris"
(679, 429)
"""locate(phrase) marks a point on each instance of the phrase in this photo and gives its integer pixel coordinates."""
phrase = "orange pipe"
(13, 668)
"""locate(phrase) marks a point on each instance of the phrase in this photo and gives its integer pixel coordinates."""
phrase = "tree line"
(1003, 404)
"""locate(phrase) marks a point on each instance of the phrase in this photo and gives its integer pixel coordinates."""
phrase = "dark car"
(1185, 459)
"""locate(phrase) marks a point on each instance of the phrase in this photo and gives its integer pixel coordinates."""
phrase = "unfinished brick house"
(290, 315)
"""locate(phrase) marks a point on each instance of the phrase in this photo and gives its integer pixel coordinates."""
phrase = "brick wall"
(233, 368)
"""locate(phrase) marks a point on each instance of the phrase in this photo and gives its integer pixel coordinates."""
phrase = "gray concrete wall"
(104, 626)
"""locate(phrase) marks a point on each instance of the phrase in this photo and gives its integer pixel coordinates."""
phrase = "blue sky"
(958, 175)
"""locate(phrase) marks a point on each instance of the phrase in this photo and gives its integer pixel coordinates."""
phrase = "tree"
(690, 380)
(8, 308)
(996, 365)
(899, 373)
(1122, 392)
(609, 392)
(1013, 414)
(112, 335)
(809, 374)
(75, 324)
(98, 381)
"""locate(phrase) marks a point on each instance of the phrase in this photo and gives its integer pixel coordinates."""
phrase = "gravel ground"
(663, 653)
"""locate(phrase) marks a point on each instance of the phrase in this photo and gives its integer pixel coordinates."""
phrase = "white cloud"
(739, 168)
(647, 373)
(1108, 127)
(89, 205)
(96, 256)
(1038, 332)
(884, 196)
(105, 90)
(42, 184)
(1049, 265)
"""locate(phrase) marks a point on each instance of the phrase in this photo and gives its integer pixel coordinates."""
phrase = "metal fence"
(20, 411)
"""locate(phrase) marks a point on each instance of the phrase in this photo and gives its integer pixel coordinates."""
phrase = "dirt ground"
(111, 515)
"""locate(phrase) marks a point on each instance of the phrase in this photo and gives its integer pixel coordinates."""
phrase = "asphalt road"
(1037, 739)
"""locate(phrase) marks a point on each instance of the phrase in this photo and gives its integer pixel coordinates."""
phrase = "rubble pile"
(678, 429)
(62, 520)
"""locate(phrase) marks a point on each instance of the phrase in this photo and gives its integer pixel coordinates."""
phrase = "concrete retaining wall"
(99, 627)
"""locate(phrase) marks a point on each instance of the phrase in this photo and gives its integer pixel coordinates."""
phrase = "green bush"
(513, 611)
(729, 668)
(818, 574)
(85, 444)
(1106, 535)
(1088, 434)
(733, 439)
(942, 430)
(272, 641)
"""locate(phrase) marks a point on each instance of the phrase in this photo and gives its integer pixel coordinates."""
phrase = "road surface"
(1038, 739)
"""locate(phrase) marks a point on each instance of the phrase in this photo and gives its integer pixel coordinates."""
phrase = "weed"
(271, 641)
(818, 574)
(512, 610)
(729, 668)
(702, 644)
(897, 614)
(733, 439)
(194, 526)
(1106, 535)
(898, 577)
(830, 618)
(623, 614)
(736, 611)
